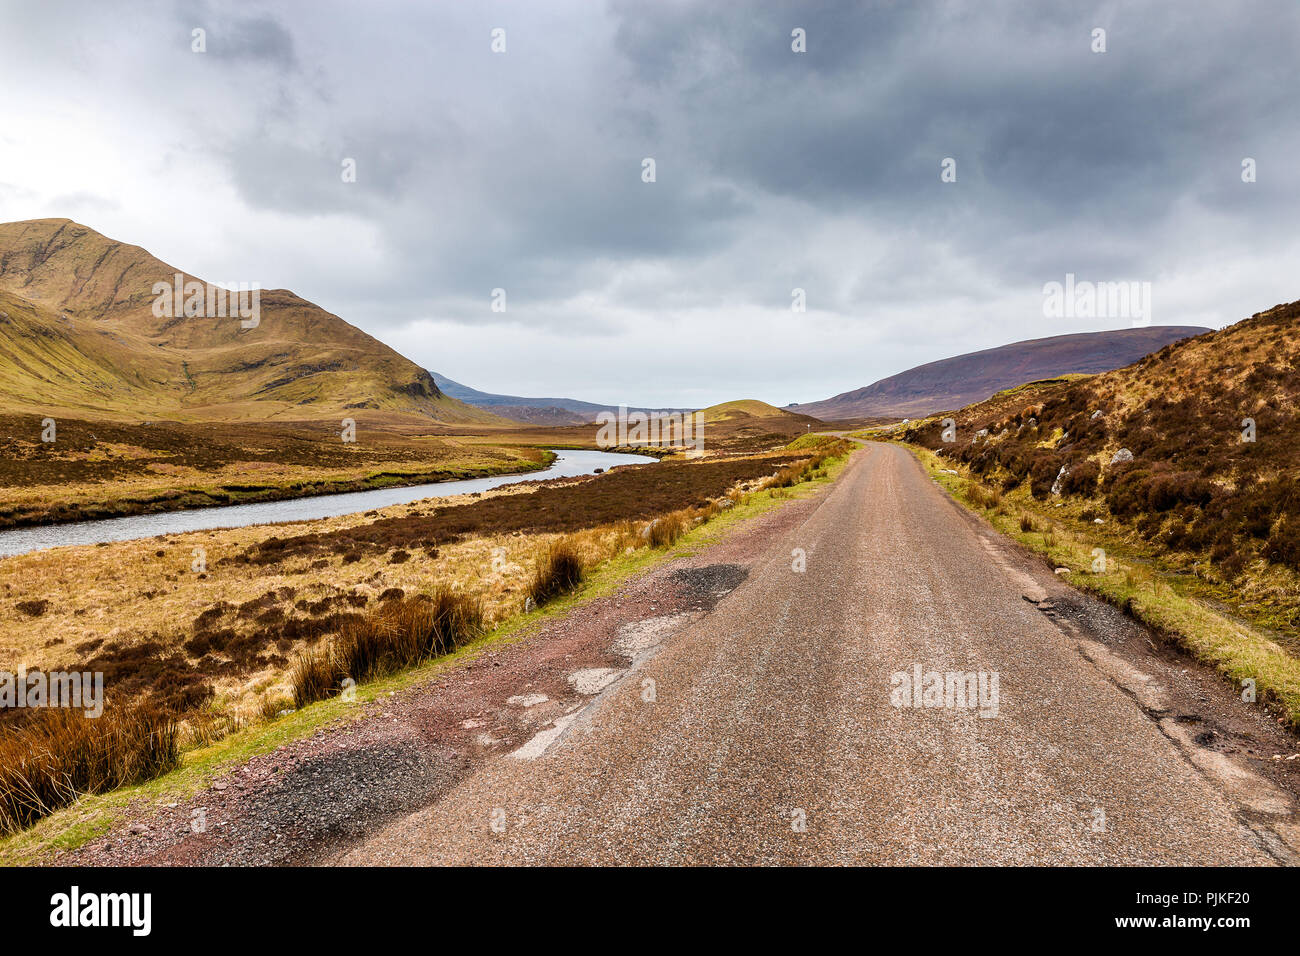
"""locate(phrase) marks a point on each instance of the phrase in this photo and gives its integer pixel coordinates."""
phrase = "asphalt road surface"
(765, 732)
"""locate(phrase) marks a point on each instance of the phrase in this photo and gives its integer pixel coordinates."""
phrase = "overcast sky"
(774, 170)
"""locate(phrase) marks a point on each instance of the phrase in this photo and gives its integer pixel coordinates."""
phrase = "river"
(24, 540)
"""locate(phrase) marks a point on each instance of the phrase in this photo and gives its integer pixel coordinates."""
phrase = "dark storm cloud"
(775, 169)
(1045, 132)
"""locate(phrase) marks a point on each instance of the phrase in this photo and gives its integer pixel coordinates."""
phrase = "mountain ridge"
(90, 299)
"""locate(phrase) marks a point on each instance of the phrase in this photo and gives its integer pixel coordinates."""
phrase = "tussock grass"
(559, 571)
(393, 637)
(988, 498)
(206, 726)
(809, 469)
(665, 531)
(58, 755)
(610, 552)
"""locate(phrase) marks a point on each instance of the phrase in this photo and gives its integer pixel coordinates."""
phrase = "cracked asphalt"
(763, 732)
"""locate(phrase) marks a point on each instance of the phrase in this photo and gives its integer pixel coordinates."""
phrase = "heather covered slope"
(76, 313)
(953, 382)
(1194, 492)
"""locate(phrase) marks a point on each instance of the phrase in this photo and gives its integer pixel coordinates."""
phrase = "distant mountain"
(545, 415)
(537, 411)
(79, 334)
(952, 383)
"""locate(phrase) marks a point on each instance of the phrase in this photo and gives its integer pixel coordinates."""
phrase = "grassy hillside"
(750, 407)
(76, 312)
(1194, 497)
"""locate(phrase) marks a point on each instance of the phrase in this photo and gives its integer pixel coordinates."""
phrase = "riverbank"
(277, 736)
(212, 620)
(14, 541)
(100, 470)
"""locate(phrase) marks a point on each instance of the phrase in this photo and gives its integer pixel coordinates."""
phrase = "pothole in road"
(707, 585)
(640, 636)
(592, 680)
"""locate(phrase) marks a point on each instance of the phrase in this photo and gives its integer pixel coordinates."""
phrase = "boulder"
(1060, 476)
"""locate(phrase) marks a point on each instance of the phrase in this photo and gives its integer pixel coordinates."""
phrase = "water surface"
(23, 540)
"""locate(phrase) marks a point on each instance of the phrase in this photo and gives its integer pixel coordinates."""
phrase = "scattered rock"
(1060, 476)
(1122, 455)
(1034, 594)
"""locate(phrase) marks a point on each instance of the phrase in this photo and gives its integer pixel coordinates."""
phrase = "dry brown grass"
(57, 755)
(559, 571)
(663, 532)
(389, 639)
(225, 640)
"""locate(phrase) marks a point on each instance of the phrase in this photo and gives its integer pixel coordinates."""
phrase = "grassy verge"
(1237, 649)
(94, 815)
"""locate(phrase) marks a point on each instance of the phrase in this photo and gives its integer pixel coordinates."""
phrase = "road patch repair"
(636, 641)
(315, 795)
(777, 696)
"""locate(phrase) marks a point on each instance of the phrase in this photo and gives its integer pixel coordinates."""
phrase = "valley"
(212, 639)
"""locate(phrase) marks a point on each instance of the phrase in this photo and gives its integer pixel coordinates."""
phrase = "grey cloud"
(775, 169)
